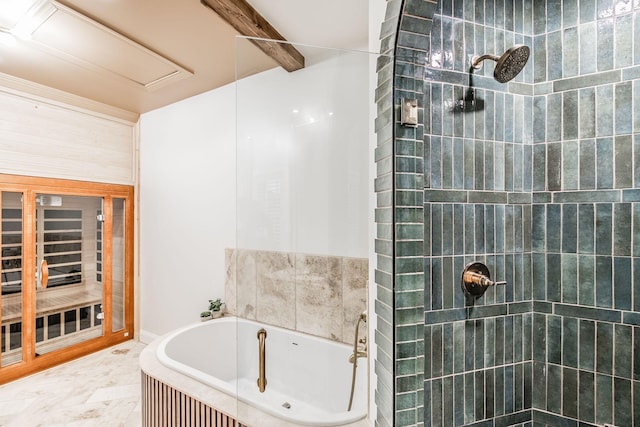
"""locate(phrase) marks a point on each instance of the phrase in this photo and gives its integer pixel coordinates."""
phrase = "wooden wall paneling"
(46, 140)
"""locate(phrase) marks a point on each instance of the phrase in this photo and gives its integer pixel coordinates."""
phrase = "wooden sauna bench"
(54, 300)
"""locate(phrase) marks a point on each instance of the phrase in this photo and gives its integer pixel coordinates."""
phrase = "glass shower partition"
(302, 219)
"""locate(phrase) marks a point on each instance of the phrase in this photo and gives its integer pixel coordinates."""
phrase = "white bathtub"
(308, 378)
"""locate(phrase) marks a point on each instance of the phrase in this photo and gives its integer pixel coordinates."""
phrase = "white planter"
(216, 314)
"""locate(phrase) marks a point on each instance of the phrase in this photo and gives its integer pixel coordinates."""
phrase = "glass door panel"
(302, 203)
(118, 263)
(11, 274)
(69, 285)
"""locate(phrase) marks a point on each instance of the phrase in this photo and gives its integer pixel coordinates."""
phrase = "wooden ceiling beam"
(248, 22)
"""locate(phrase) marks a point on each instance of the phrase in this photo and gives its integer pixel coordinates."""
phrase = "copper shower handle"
(476, 279)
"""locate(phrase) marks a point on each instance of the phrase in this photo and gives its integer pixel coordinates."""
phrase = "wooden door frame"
(29, 187)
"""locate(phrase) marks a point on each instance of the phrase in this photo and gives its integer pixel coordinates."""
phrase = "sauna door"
(69, 285)
(66, 269)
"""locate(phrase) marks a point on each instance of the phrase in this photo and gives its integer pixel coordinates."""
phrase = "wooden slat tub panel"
(164, 406)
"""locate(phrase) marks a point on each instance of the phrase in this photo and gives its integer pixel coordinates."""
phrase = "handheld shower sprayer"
(356, 354)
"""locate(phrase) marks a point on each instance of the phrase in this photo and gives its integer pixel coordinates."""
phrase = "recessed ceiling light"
(32, 18)
(12, 11)
(7, 39)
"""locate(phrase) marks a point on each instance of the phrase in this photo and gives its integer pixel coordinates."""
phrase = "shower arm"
(476, 60)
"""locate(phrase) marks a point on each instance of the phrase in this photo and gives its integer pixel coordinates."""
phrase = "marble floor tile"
(11, 407)
(113, 393)
(102, 389)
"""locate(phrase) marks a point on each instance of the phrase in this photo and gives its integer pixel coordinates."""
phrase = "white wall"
(303, 158)
(187, 208)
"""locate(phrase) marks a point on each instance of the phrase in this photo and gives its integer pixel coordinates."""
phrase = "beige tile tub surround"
(246, 300)
(319, 299)
(275, 274)
(314, 294)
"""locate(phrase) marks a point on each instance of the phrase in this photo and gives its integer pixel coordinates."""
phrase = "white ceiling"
(182, 34)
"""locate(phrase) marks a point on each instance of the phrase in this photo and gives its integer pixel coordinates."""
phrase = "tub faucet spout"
(262, 379)
(359, 353)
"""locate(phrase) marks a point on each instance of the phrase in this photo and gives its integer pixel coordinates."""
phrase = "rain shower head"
(508, 65)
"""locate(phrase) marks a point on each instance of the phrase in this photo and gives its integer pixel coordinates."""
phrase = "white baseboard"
(147, 337)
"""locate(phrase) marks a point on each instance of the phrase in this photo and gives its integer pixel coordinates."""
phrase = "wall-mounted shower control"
(476, 279)
(409, 112)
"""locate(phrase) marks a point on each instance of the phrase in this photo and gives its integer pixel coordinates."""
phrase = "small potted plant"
(217, 308)
(205, 315)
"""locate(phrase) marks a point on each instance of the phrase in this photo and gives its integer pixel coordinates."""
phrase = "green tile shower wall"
(384, 370)
(586, 353)
(478, 183)
(540, 184)
(409, 276)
